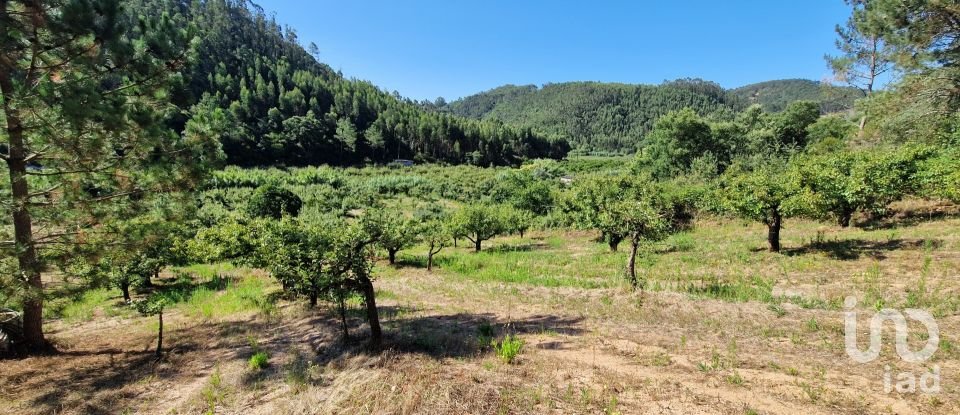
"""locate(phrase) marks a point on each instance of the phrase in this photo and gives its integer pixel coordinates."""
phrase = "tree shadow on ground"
(852, 249)
(106, 375)
(462, 335)
(909, 218)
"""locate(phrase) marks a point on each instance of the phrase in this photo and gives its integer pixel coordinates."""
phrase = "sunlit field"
(720, 325)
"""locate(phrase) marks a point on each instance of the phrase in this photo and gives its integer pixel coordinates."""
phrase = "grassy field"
(723, 327)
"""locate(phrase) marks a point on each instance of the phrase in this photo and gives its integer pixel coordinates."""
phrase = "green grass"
(247, 294)
(258, 361)
(508, 349)
(86, 305)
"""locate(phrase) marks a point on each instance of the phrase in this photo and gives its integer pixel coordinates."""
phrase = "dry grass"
(726, 328)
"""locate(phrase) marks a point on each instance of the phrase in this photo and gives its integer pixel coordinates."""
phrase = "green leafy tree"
(765, 194)
(939, 176)
(299, 255)
(677, 139)
(397, 234)
(436, 235)
(478, 223)
(865, 56)
(85, 91)
(153, 307)
(789, 128)
(847, 182)
(518, 220)
(273, 201)
(592, 203)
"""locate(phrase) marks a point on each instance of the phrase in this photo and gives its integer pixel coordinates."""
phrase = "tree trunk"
(845, 217)
(773, 230)
(392, 254)
(476, 245)
(430, 261)
(632, 263)
(313, 297)
(373, 317)
(342, 305)
(27, 262)
(160, 335)
(521, 234)
(613, 242)
(125, 289)
(146, 282)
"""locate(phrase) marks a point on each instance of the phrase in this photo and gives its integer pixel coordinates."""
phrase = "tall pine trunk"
(773, 230)
(27, 262)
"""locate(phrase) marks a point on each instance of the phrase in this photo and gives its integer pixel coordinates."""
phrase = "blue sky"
(453, 48)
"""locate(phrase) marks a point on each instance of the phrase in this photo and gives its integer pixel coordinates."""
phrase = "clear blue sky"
(452, 48)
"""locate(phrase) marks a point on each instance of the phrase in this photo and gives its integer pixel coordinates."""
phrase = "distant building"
(403, 162)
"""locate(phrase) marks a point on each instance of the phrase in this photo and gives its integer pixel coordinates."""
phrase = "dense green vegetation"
(775, 96)
(616, 118)
(133, 190)
(279, 106)
(595, 117)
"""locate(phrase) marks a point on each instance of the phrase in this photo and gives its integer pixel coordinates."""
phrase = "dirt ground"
(599, 350)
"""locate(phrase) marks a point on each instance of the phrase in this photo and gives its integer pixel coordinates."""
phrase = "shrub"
(508, 348)
(274, 202)
(259, 360)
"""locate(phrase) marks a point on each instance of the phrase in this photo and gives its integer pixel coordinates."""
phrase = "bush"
(259, 361)
(509, 348)
(274, 202)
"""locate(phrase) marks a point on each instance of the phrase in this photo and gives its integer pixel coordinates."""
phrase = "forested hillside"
(775, 96)
(284, 107)
(609, 117)
(595, 116)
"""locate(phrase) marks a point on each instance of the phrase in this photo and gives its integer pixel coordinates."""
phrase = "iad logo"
(907, 382)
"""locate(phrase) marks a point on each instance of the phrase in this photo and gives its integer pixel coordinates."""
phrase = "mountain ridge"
(614, 117)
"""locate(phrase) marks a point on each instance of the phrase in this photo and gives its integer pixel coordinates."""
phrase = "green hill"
(611, 117)
(774, 96)
(594, 116)
(286, 108)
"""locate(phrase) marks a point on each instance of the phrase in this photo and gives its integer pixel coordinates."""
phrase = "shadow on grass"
(852, 249)
(910, 217)
(460, 335)
(99, 376)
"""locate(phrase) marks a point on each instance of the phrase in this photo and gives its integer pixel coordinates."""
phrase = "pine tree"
(86, 90)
